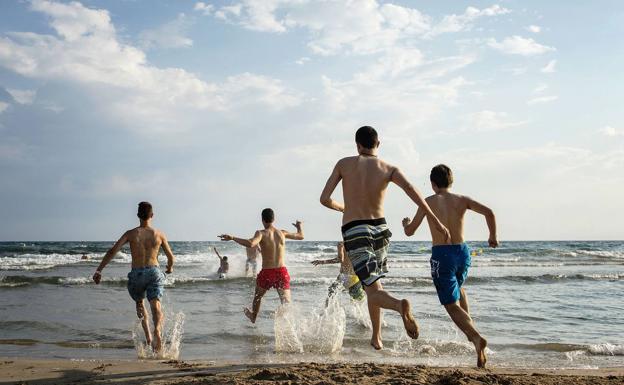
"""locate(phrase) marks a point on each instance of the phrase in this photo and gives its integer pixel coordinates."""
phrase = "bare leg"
(157, 317)
(379, 298)
(247, 268)
(463, 301)
(255, 306)
(140, 309)
(465, 324)
(284, 295)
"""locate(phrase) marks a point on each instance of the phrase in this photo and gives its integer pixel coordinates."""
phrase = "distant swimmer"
(224, 266)
(274, 273)
(450, 262)
(366, 235)
(346, 278)
(145, 276)
(84, 257)
(251, 265)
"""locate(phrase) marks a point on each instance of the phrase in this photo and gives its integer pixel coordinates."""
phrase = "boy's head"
(268, 216)
(366, 138)
(145, 211)
(441, 177)
(224, 259)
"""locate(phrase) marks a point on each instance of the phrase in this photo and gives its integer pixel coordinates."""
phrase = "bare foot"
(157, 343)
(480, 346)
(376, 343)
(249, 314)
(411, 327)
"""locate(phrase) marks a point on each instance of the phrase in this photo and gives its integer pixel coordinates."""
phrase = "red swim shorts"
(277, 278)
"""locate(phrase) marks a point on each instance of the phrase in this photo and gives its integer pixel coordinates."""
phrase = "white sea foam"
(171, 337)
(319, 331)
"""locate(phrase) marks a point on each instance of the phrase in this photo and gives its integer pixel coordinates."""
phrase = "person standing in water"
(274, 273)
(450, 263)
(224, 265)
(145, 278)
(366, 235)
(251, 265)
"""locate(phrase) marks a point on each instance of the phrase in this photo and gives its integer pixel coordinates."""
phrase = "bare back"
(145, 243)
(364, 183)
(450, 209)
(272, 246)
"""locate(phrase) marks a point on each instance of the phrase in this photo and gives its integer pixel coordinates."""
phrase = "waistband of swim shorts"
(358, 222)
(144, 268)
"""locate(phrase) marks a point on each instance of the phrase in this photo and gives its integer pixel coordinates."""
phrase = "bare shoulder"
(430, 198)
(160, 234)
(346, 160)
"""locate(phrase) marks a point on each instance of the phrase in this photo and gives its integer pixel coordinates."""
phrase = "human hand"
(316, 263)
(97, 277)
(225, 237)
(406, 221)
(297, 224)
(493, 242)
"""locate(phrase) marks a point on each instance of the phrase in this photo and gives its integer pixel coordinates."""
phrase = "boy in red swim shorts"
(272, 247)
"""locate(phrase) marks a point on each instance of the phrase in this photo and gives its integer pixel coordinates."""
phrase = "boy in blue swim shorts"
(145, 279)
(450, 262)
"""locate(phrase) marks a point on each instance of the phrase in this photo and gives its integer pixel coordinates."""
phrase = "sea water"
(539, 304)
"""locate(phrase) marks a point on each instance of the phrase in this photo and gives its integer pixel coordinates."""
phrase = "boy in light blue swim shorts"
(450, 262)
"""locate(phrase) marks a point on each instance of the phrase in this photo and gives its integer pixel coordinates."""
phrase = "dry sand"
(30, 371)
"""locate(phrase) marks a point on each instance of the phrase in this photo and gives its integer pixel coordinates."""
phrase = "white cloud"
(534, 28)
(612, 131)
(550, 67)
(87, 51)
(457, 23)
(301, 61)
(3, 106)
(487, 120)
(518, 45)
(22, 96)
(356, 27)
(542, 99)
(204, 8)
(540, 88)
(169, 35)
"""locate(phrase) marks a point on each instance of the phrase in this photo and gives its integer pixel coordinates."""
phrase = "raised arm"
(400, 180)
(217, 252)
(326, 261)
(490, 218)
(170, 257)
(110, 254)
(251, 242)
(411, 227)
(330, 186)
(296, 236)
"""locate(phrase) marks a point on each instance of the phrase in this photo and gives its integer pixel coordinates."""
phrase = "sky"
(215, 110)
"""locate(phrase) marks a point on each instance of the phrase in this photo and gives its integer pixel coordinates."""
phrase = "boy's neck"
(146, 223)
(442, 190)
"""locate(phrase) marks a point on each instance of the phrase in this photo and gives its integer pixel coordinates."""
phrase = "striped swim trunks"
(366, 242)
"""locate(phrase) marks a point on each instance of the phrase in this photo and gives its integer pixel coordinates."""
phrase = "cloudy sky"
(214, 110)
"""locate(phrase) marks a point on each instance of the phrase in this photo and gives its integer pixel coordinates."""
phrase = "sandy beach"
(29, 371)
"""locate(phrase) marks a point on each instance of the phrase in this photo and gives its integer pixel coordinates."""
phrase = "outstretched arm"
(490, 218)
(110, 254)
(296, 236)
(330, 186)
(411, 227)
(218, 255)
(170, 258)
(400, 180)
(252, 242)
(326, 261)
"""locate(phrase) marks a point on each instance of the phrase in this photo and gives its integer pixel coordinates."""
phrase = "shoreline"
(78, 371)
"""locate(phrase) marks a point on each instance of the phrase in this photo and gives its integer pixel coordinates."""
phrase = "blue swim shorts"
(449, 269)
(144, 280)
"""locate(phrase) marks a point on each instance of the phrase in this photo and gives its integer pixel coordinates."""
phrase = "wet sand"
(30, 371)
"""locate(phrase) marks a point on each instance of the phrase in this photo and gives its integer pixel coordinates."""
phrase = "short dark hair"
(225, 257)
(442, 176)
(145, 211)
(366, 136)
(268, 215)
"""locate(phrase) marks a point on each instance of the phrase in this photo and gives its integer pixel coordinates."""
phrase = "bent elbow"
(324, 200)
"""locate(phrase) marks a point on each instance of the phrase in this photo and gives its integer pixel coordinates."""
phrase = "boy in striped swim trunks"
(366, 236)
(450, 262)
(346, 278)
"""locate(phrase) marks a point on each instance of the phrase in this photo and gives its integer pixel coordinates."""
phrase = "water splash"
(171, 337)
(321, 330)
